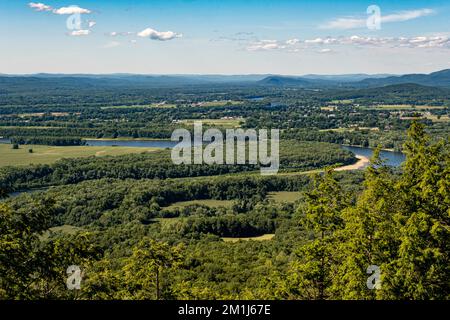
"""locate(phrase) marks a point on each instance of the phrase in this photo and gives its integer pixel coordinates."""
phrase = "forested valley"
(133, 242)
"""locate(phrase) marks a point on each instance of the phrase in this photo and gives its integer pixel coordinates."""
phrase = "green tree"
(144, 271)
(422, 267)
(313, 271)
(370, 234)
(34, 266)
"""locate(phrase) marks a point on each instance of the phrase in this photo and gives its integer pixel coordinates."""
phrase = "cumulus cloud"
(40, 6)
(78, 33)
(265, 45)
(352, 23)
(433, 41)
(413, 42)
(71, 10)
(159, 35)
(327, 40)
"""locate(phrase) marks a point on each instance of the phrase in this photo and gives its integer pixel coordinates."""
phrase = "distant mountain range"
(312, 81)
(435, 79)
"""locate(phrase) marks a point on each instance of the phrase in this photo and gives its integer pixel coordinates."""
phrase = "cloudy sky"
(224, 37)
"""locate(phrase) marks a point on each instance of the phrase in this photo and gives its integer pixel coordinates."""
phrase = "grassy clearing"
(125, 139)
(207, 202)
(404, 107)
(328, 108)
(220, 103)
(66, 229)
(49, 154)
(264, 237)
(338, 129)
(153, 105)
(226, 123)
(344, 101)
(435, 118)
(284, 196)
(351, 129)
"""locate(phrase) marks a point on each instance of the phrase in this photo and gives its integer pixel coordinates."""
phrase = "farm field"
(207, 202)
(264, 237)
(49, 154)
(402, 107)
(284, 196)
(219, 103)
(125, 107)
(226, 123)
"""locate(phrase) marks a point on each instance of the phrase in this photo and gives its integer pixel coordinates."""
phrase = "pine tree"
(422, 268)
(322, 217)
(369, 236)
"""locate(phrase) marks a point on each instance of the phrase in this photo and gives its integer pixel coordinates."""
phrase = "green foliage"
(33, 268)
(134, 245)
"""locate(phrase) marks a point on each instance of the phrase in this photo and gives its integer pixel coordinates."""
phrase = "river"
(394, 159)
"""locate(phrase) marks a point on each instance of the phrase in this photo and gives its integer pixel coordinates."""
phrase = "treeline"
(364, 138)
(50, 141)
(158, 131)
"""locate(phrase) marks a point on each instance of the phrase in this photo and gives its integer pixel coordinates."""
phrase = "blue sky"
(224, 37)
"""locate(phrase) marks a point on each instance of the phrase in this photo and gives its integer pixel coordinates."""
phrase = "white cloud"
(352, 23)
(78, 33)
(159, 35)
(327, 40)
(265, 45)
(413, 42)
(406, 15)
(71, 10)
(344, 23)
(115, 33)
(40, 6)
(292, 42)
(434, 41)
(315, 41)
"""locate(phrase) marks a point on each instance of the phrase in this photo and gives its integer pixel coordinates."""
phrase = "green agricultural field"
(264, 237)
(49, 154)
(220, 103)
(207, 202)
(153, 105)
(284, 196)
(344, 101)
(404, 107)
(226, 123)
(435, 118)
